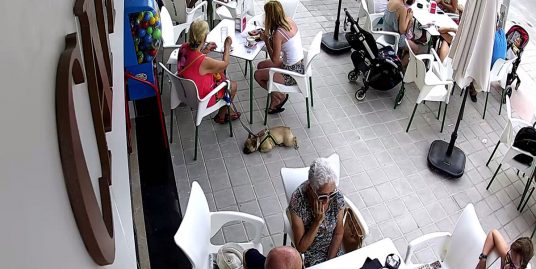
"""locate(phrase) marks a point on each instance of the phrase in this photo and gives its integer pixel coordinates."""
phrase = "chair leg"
(171, 126)
(162, 70)
(195, 142)
(284, 239)
(411, 119)
(311, 90)
(461, 92)
(439, 111)
(230, 121)
(444, 116)
(485, 105)
(527, 187)
(495, 149)
(527, 200)
(246, 69)
(494, 175)
(266, 110)
(500, 104)
(307, 107)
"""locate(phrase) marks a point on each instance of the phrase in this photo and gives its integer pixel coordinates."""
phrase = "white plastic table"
(355, 259)
(424, 16)
(239, 50)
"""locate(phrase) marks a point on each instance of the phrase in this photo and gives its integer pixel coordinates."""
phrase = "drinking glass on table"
(224, 33)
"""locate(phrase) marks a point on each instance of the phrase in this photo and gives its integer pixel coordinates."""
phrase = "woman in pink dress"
(206, 72)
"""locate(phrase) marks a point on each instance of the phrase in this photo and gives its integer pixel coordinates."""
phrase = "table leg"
(210, 14)
(250, 92)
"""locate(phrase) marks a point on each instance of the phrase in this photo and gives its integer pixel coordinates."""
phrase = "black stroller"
(516, 39)
(380, 68)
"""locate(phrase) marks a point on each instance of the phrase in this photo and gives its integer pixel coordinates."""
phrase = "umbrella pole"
(335, 42)
(454, 135)
(445, 157)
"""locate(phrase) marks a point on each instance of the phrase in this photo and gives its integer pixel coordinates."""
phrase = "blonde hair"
(197, 33)
(275, 17)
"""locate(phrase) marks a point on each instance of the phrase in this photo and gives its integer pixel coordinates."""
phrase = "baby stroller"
(516, 39)
(380, 68)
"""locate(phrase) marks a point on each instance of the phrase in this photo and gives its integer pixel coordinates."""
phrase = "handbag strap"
(190, 64)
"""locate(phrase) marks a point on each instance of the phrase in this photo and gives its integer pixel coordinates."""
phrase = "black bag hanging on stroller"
(380, 68)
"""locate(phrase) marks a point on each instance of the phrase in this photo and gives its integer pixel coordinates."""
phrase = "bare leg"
(262, 77)
(222, 112)
(444, 50)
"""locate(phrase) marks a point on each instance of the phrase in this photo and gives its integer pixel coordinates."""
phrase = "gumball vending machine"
(141, 42)
(142, 38)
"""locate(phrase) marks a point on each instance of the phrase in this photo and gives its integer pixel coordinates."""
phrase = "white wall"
(37, 226)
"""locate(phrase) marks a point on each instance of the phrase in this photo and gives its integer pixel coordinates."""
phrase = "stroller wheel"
(360, 94)
(352, 76)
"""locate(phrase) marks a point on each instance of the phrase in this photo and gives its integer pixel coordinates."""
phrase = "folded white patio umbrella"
(471, 52)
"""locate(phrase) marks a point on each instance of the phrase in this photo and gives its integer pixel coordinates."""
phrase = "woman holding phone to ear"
(316, 213)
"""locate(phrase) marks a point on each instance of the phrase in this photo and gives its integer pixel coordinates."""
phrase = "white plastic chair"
(233, 8)
(370, 22)
(432, 87)
(186, 91)
(184, 16)
(304, 81)
(170, 35)
(510, 130)
(289, 6)
(199, 225)
(294, 177)
(508, 137)
(459, 249)
(499, 73)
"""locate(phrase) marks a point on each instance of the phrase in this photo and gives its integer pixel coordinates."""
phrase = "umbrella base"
(335, 46)
(453, 165)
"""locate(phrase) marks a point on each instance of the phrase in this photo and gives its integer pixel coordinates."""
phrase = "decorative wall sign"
(95, 224)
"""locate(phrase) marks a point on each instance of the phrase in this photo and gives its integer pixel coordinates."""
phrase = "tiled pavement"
(383, 168)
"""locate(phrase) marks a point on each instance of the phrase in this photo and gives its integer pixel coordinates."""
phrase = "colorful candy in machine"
(142, 38)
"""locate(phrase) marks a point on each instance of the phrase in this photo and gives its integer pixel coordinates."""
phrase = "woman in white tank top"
(283, 43)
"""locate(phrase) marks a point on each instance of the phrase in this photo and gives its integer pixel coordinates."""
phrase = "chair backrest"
(364, 16)
(314, 50)
(185, 89)
(294, 177)
(416, 70)
(176, 9)
(167, 28)
(290, 7)
(193, 235)
(466, 241)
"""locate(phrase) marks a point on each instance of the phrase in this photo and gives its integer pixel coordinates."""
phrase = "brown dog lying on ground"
(267, 139)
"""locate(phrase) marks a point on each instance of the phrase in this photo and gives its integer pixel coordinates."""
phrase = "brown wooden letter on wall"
(95, 223)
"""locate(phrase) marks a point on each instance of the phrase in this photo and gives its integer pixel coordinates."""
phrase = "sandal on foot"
(234, 116)
(279, 108)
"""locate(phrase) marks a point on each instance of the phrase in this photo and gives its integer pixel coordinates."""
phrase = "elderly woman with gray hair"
(316, 212)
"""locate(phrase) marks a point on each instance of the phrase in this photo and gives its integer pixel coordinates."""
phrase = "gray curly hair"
(321, 173)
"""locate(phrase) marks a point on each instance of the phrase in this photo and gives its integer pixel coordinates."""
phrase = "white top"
(292, 49)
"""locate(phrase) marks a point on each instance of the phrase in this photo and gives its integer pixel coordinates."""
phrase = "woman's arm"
(494, 240)
(337, 236)
(274, 48)
(452, 7)
(404, 19)
(304, 239)
(210, 65)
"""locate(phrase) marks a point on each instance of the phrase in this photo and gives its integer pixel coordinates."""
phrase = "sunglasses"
(508, 260)
(325, 197)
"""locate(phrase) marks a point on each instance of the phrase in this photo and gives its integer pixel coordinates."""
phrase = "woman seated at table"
(446, 40)
(516, 256)
(207, 73)
(398, 18)
(450, 6)
(316, 211)
(283, 43)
